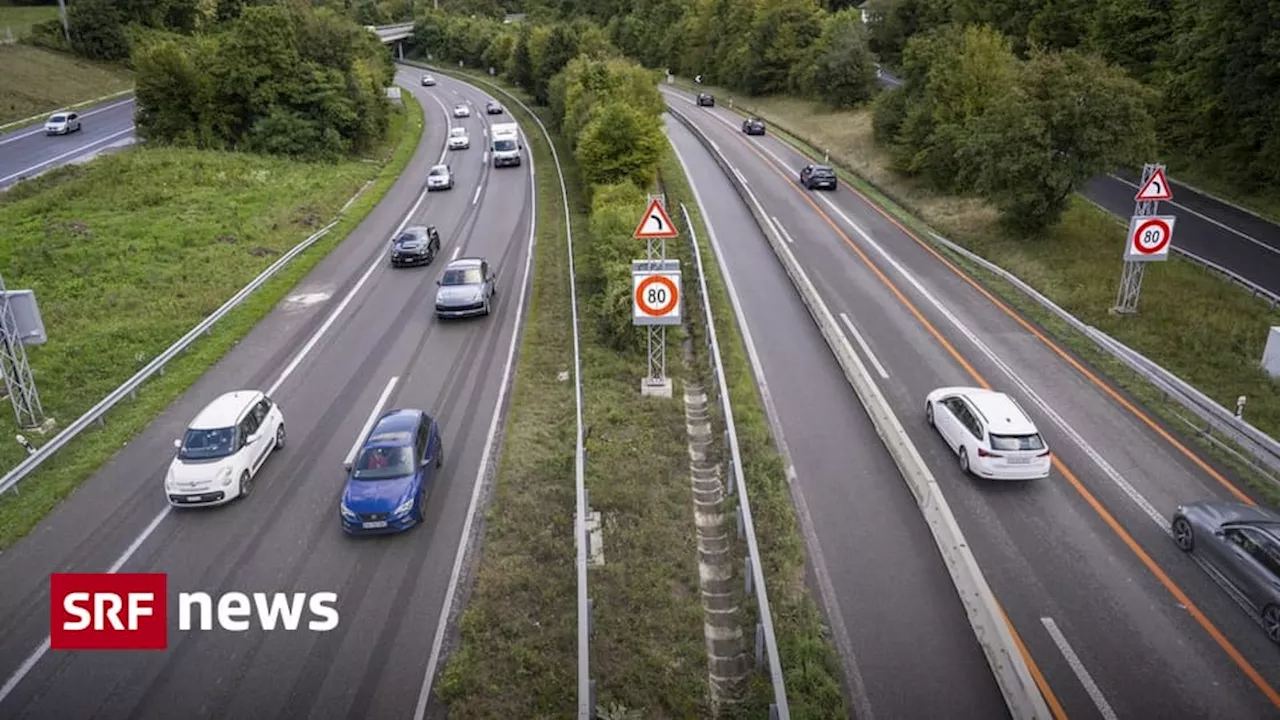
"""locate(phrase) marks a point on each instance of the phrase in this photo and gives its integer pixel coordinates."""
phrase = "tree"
(620, 143)
(1131, 34)
(781, 33)
(1061, 24)
(841, 70)
(520, 66)
(561, 47)
(97, 30)
(1070, 117)
(891, 23)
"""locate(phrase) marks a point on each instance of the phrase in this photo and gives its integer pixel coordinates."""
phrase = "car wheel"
(1271, 622)
(440, 456)
(486, 307)
(280, 436)
(964, 461)
(1183, 536)
(246, 484)
(928, 414)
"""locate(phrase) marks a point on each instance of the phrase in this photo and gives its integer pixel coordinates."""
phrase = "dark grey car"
(417, 245)
(466, 288)
(1242, 543)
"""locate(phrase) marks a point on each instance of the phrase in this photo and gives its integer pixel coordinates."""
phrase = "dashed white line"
(741, 178)
(1077, 667)
(368, 424)
(484, 158)
(866, 349)
(476, 198)
(456, 250)
(785, 235)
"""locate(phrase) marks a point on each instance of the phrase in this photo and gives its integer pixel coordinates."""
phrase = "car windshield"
(439, 170)
(207, 444)
(58, 118)
(460, 107)
(458, 132)
(1017, 442)
(462, 276)
(380, 463)
(504, 144)
(409, 237)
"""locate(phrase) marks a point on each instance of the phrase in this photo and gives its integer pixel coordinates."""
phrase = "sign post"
(1149, 236)
(20, 325)
(656, 300)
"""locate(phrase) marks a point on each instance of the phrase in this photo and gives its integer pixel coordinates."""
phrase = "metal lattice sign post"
(20, 325)
(1149, 238)
(656, 301)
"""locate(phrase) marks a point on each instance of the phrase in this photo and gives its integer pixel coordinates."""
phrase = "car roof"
(824, 168)
(439, 167)
(457, 130)
(414, 230)
(225, 409)
(1001, 413)
(395, 420)
(464, 262)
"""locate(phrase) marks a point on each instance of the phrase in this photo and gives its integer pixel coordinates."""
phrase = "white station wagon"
(991, 434)
(223, 449)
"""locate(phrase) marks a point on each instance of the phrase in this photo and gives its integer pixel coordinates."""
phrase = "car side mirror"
(346, 465)
(177, 444)
(438, 283)
(253, 438)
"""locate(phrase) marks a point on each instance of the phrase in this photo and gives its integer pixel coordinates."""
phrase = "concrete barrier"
(985, 615)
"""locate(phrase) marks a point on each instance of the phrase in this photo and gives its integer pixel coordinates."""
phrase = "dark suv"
(417, 245)
(753, 126)
(818, 177)
(705, 99)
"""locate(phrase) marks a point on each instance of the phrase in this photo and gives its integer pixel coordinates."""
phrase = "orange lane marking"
(1093, 502)
(1055, 707)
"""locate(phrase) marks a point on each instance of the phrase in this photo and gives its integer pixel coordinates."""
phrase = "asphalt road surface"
(1081, 562)
(28, 152)
(891, 604)
(286, 537)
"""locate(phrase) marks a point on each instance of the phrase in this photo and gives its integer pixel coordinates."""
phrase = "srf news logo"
(129, 611)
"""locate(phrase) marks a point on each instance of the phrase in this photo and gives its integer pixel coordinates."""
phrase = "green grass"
(810, 664)
(19, 20)
(1200, 327)
(128, 253)
(35, 81)
(518, 652)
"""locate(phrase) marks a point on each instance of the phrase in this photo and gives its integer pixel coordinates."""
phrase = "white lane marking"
(40, 129)
(1077, 667)
(475, 198)
(368, 424)
(778, 223)
(456, 250)
(485, 131)
(39, 652)
(484, 158)
(741, 178)
(1206, 218)
(485, 458)
(866, 349)
(77, 151)
(448, 125)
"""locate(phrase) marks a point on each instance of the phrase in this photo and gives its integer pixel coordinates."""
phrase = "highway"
(327, 355)
(1115, 621)
(28, 152)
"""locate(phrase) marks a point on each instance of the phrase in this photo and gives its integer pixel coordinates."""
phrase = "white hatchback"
(458, 139)
(991, 434)
(461, 111)
(223, 449)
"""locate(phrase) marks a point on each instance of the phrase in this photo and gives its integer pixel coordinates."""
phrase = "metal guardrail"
(1263, 448)
(156, 367)
(779, 710)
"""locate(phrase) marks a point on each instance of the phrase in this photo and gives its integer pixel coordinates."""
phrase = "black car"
(493, 108)
(753, 126)
(706, 100)
(818, 177)
(417, 245)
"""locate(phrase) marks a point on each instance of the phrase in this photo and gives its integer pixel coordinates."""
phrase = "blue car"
(392, 474)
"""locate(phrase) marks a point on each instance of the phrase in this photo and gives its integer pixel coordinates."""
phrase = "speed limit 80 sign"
(655, 293)
(1149, 238)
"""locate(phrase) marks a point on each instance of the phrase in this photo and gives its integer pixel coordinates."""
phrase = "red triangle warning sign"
(1156, 188)
(656, 224)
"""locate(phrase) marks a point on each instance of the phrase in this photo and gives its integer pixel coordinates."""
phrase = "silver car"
(466, 288)
(1242, 545)
(63, 123)
(440, 178)
(428, 81)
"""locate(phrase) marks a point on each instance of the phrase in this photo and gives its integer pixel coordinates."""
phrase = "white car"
(461, 110)
(991, 434)
(223, 449)
(428, 81)
(62, 123)
(440, 178)
(458, 139)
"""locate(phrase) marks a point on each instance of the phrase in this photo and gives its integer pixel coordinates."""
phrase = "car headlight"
(403, 508)
(346, 512)
(225, 476)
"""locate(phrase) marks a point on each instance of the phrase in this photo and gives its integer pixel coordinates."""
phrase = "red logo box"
(103, 611)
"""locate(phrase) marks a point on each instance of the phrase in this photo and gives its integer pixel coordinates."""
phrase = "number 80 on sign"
(655, 294)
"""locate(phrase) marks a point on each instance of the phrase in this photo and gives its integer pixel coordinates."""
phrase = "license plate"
(1019, 461)
(372, 525)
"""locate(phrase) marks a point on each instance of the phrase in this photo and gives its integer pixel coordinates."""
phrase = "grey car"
(440, 178)
(466, 288)
(1242, 543)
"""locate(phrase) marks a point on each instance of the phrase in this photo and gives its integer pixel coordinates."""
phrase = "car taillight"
(982, 452)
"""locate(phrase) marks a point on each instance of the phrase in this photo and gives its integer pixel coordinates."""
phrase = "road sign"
(655, 296)
(697, 79)
(1156, 188)
(656, 224)
(1149, 238)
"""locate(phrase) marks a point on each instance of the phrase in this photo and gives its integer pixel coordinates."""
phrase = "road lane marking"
(1206, 218)
(484, 158)
(786, 235)
(455, 575)
(1077, 667)
(368, 424)
(866, 349)
(742, 178)
(456, 250)
(70, 153)
(475, 198)
(40, 129)
(1192, 609)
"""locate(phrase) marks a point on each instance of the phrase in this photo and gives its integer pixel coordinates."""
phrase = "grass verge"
(810, 664)
(518, 652)
(128, 253)
(18, 20)
(35, 80)
(1203, 329)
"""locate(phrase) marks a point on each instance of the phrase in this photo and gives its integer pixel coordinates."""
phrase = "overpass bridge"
(389, 34)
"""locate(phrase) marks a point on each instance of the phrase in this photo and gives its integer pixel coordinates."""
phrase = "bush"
(97, 30)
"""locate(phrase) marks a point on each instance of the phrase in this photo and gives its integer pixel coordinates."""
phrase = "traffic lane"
(1029, 538)
(1252, 253)
(893, 595)
(1236, 218)
(29, 151)
(92, 528)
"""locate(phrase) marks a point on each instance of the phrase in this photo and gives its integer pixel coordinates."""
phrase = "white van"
(506, 145)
